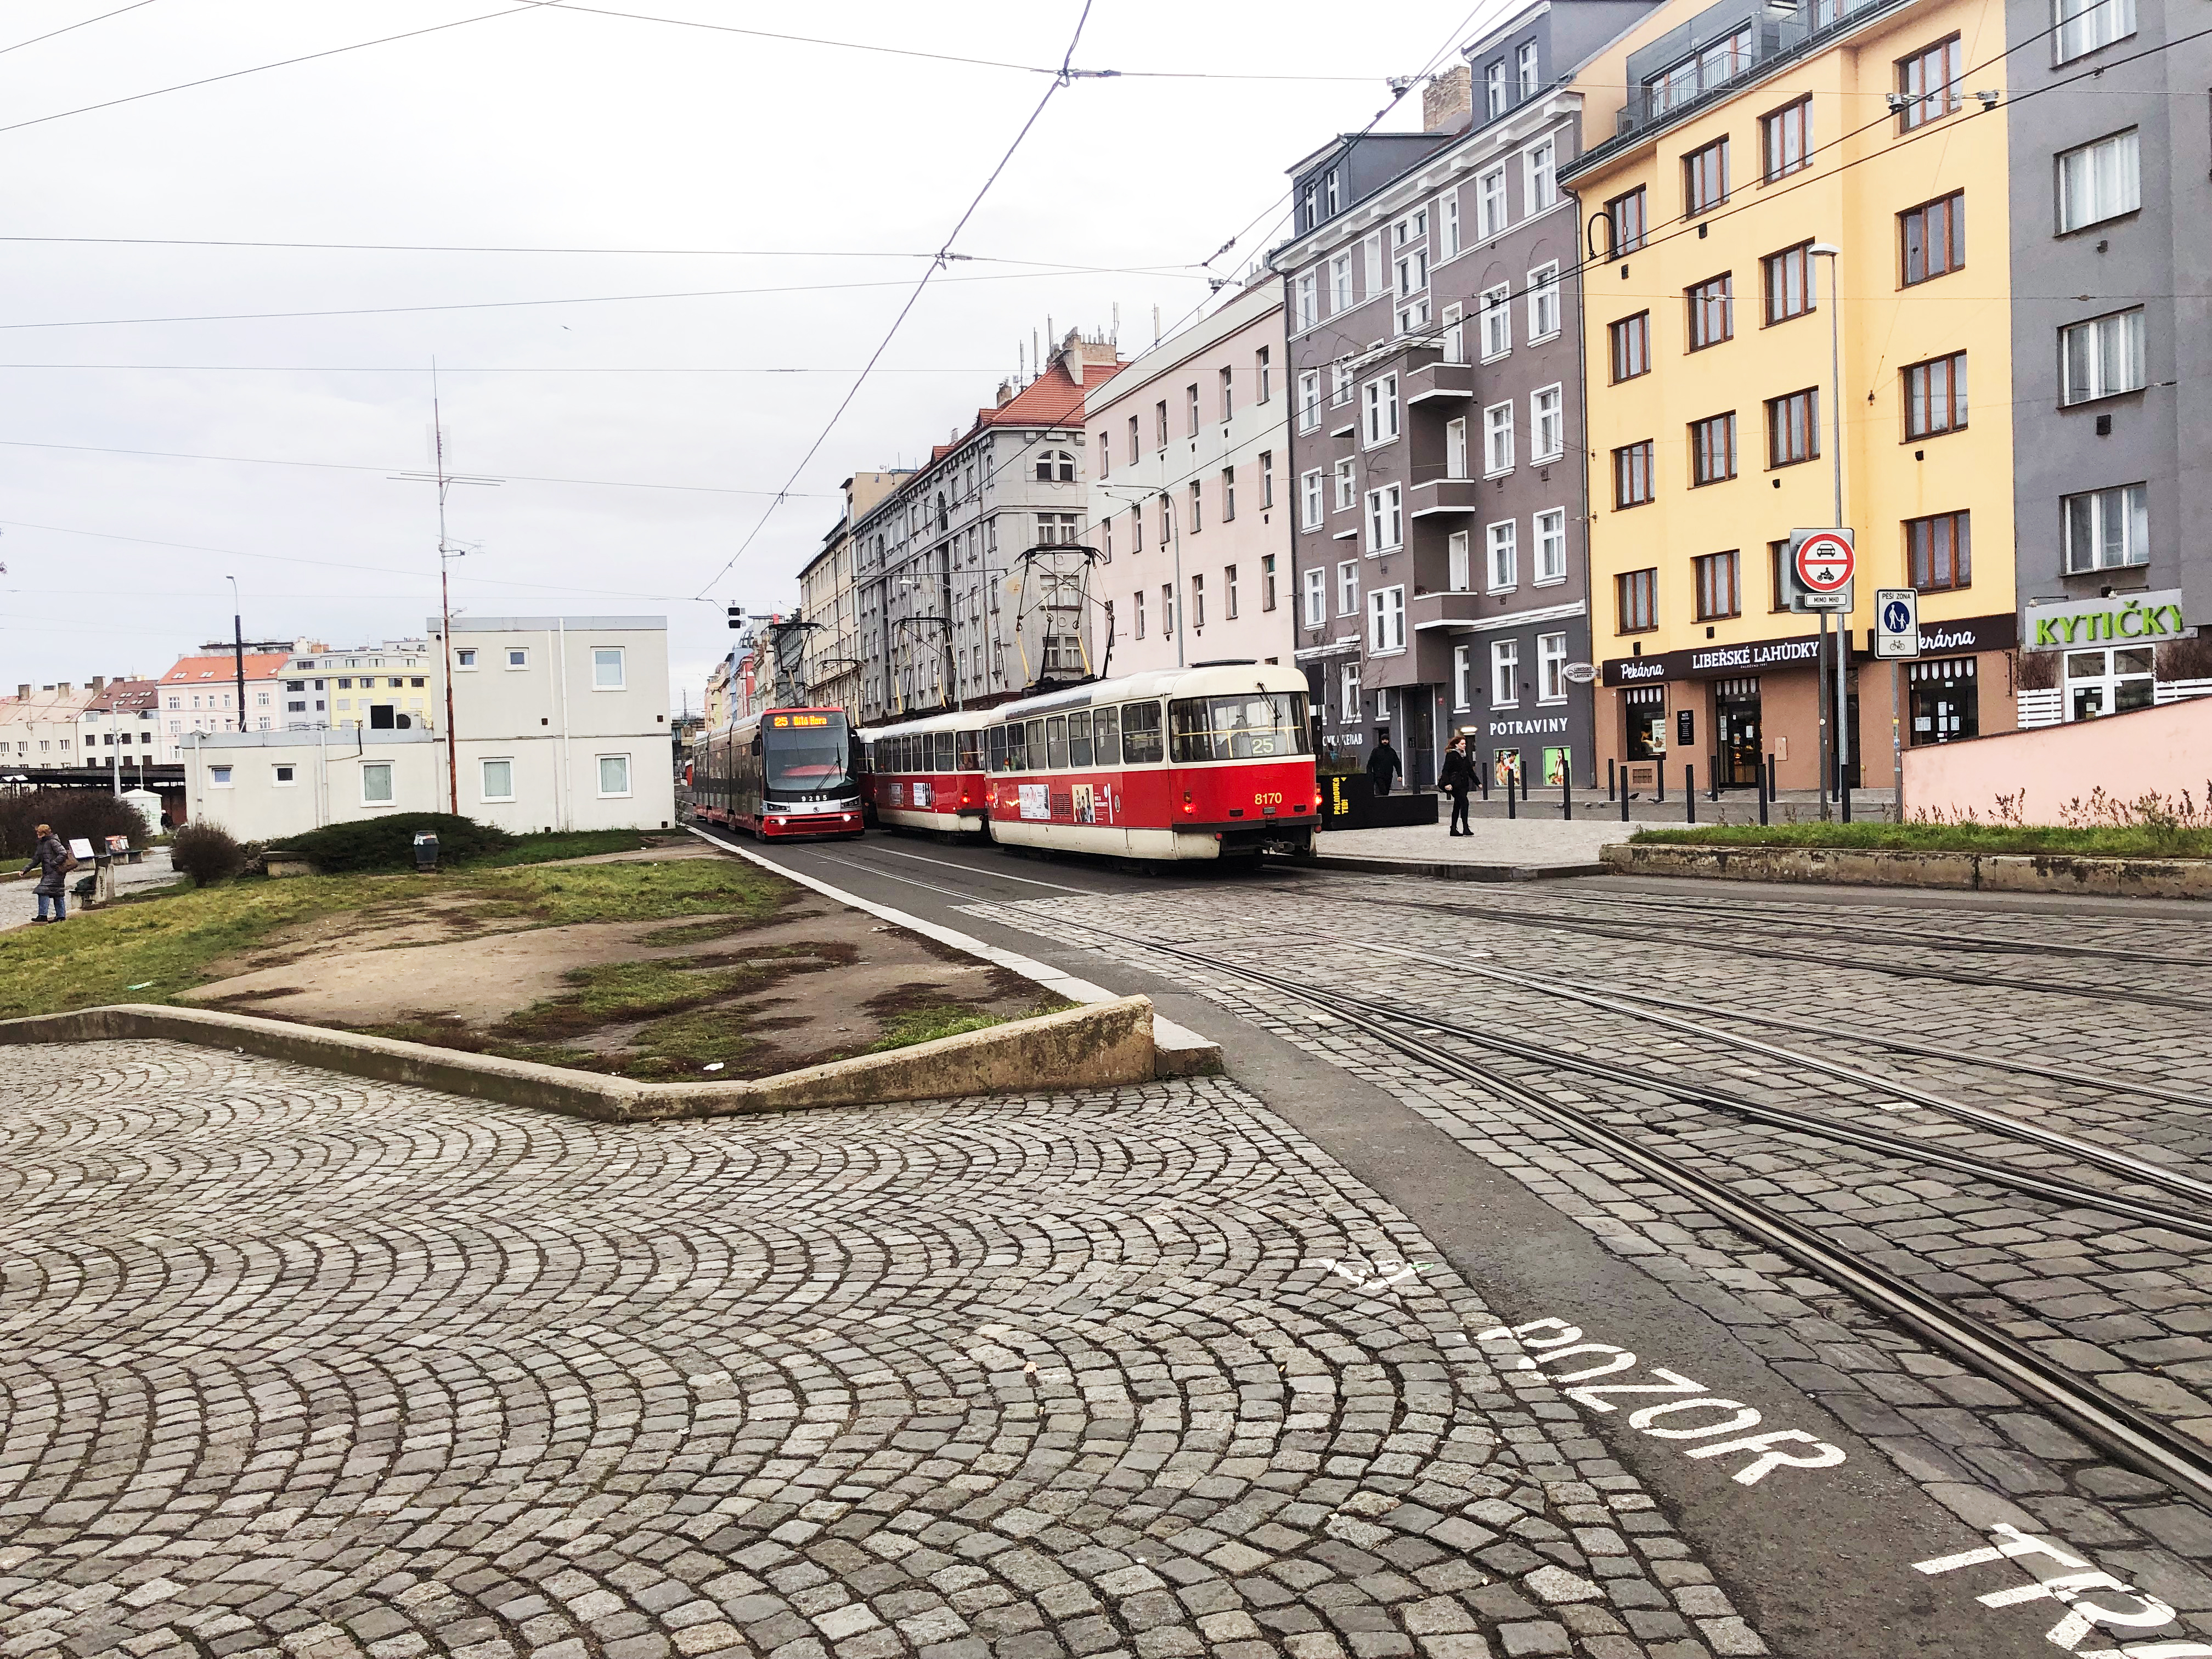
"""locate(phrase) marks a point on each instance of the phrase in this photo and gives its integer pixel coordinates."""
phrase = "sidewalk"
(1522, 849)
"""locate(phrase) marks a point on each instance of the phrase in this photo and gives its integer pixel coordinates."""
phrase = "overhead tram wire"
(906, 310)
(72, 27)
(1055, 266)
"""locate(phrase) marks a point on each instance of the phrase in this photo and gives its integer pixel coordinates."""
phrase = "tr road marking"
(2118, 1606)
(1664, 1421)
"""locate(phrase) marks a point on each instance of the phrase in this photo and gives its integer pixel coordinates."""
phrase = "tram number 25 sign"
(1821, 565)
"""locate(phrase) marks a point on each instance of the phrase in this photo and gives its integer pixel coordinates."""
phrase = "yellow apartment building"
(1746, 139)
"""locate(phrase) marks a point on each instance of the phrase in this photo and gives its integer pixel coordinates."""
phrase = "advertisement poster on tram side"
(1037, 801)
(1082, 812)
(924, 794)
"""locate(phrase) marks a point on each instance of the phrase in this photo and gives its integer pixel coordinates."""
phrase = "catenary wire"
(69, 28)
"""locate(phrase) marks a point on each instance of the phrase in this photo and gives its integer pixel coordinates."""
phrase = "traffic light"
(737, 615)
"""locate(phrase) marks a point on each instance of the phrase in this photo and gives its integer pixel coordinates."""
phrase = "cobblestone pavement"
(298, 1365)
(2130, 1306)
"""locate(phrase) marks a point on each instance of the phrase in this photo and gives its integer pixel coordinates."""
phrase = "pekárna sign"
(1713, 662)
(2125, 618)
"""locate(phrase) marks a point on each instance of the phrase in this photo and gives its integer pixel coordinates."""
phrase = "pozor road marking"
(1685, 1413)
(2091, 1599)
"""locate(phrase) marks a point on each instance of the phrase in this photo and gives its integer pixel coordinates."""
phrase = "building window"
(1489, 204)
(283, 776)
(1787, 278)
(1496, 439)
(1712, 311)
(1228, 395)
(1197, 612)
(1309, 400)
(1785, 139)
(1630, 339)
(1305, 300)
(1339, 389)
(2106, 529)
(1718, 593)
(1347, 706)
(1543, 302)
(1263, 376)
(1197, 499)
(218, 776)
(1547, 421)
(1793, 427)
(517, 657)
(1229, 594)
(1709, 67)
(1541, 178)
(1936, 396)
(1939, 552)
(1712, 449)
(1705, 178)
(1228, 494)
(1636, 597)
(1932, 237)
(1457, 562)
(1551, 546)
(1929, 83)
(498, 780)
(1386, 620)
(1310, 493)
(1317, 598)
(1631, 475)
(1493, 90)
(2099, 181)
(1495, 322)
(1524, 64)
(376, 783)
(2086, 25)
(1382, 410)
(1347, 589)
(1267, 581)
(1504, 673)
(1550, 668)
(606, 668)
(1053, 466)
(466, 658)
(1462, 677)
(1266, 479)
(1503, 538)
(614, 774)
(1347, 484)
(1625, 226)
(2102, 357)
(1448, 216)
(1386, 524)
(1137, 613)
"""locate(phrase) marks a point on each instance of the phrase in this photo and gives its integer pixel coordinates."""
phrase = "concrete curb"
(1087, 1047)
(1448, 870)
(1178, 1051)
(1984, 872)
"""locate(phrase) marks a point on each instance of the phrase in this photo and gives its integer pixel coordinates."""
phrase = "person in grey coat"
(52, 861)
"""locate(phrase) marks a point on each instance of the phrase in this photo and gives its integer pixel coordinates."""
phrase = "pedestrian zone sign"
(1896, 623)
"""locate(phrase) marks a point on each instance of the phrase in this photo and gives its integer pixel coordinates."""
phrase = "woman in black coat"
(1456, 778)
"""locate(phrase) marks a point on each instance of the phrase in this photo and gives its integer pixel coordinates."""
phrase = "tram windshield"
(806, 754)
(1249, 725)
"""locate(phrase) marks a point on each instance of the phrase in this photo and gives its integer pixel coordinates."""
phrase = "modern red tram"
(1209, 762)
(781, 772)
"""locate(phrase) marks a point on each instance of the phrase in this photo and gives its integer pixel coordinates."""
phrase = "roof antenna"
(1155, 322)
(1035, 355)
(1116, 335)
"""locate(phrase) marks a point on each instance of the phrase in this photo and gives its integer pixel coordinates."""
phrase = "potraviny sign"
(2150, 618)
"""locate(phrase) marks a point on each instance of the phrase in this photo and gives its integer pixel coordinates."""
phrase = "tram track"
(2129, 1434)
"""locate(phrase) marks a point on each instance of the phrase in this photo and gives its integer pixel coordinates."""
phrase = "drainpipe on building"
(567, 763)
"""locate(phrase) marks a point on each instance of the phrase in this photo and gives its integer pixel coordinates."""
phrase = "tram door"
(1735, 731)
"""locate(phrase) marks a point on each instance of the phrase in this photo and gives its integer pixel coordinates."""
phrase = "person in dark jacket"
(1457, 778)
(1383, 765)
(51, 859)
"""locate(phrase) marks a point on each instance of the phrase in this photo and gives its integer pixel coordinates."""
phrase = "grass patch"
(613, 992)
(927, 1025)
(631, 892)
(2099, 841)
(547, 845)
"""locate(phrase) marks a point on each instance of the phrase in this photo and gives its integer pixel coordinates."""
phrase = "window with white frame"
(1489, 204)
(1493, 90)
(376, 783)
(1412, 270)
(1494, 322)
(1544, 302)
(1307, 306)
(2099, 181)
(2102, 357)
(1496, 439)
(1462, 677)
(1339, 390)
(1503, 540)
(1348, 588)
(2106, 529)
(1386, 518)
(1137, 613)
(1316, 597)
(614, 774)
(1309, 499)
(1455, 448)
(1551, 527)
(497, 780)
(219, 777)
(1348, 694)
(1386, 620)
(464, 658)
(1550, 668)
(518, 656)
(284, 777)
(1370, 257)
(1309, 400)
(2086, 25)
(1340, 284)
(1504, 673)
(1540, 176)
(1347, 484)
(1525, 69)
(1455, 336)
(1548, 424)
(1458, 561)
(1448, 225)
(1382, 410)
(606, 668)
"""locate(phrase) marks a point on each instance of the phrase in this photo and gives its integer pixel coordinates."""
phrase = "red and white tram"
(1209, 762)
(781, 772)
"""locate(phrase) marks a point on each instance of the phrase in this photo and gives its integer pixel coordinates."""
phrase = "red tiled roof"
(259, 665)
(122, 694)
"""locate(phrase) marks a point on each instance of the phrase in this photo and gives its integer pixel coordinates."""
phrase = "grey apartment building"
(2110, 153)
(1436, 373)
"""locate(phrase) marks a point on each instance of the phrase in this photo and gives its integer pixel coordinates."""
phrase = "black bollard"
(1624, 806)
(1509, 812)
(1608, 780)
(1764, 779)
(1567, 791)
(1689, 793)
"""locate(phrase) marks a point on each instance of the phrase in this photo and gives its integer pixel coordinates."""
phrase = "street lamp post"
(1839, 702)
(238, 647)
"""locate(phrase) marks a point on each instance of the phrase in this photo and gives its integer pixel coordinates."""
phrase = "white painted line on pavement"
(987, 875)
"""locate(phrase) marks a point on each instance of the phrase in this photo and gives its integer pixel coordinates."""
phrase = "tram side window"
(1079, 739)
(1055, 743)
(1106, 737)
(1140, 734)
(1249, 725)
(1017, 753)
(1033, 748)
(947, 746)
(971, 752)
(996, 735)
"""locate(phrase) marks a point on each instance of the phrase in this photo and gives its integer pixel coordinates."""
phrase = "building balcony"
(1438, 379)
(1442, 496)
(1446, 610)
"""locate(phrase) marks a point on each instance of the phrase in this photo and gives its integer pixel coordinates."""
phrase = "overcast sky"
(545, 126)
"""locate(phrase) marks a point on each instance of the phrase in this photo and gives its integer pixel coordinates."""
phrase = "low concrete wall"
(2165, 751)
(1087, 1047)
(1849, 866)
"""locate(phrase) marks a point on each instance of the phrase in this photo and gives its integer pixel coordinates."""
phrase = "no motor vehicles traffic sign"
(1821, 562)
